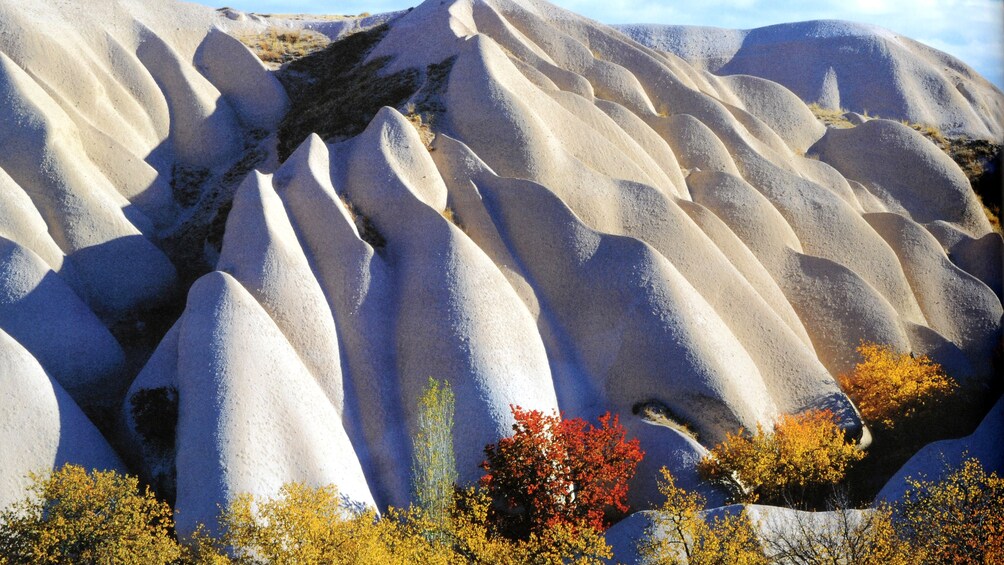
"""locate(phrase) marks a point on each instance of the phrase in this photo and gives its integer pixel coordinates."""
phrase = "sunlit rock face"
(838, 64)
(595, 226)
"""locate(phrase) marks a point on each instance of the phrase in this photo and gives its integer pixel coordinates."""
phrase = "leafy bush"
(448, 524)
(74, 516)
(888, 387)
(957, 519)
(311, 525)
(804, 451)
(555, 472)
(685, 538)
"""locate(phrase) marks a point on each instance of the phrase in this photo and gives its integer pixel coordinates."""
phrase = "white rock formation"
(839, 64)
(70, 343)
(597, 226)
(99, 105)
(41, 427)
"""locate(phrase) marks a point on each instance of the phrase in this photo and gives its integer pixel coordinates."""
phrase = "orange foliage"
(888, 387)
(803, 451)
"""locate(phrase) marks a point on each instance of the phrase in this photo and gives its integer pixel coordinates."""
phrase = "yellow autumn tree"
(803, 451)
(434, 466)
(679, 535)
(958, 519)
(312, 525)
(888, 387)
(858, 537)
(472, 539)
(75, 516)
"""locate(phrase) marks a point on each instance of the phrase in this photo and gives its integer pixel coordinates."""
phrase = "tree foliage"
(311, 525)
(434, 465)
(862, 537)
(959, 519)
(888, 387)
(473, 539)
(680, 535)
(803, 451)
(73, 516)
(554, 472)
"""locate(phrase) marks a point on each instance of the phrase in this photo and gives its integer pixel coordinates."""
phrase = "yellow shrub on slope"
(802, 451)
(888, 387)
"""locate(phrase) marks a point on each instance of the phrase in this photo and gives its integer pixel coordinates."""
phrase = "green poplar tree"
(434, 466)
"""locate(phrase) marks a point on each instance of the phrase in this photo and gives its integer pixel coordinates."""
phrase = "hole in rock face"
(658, 413)
(155, 411)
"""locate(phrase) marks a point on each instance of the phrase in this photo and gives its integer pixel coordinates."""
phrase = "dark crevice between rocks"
(428, 100)
(335, 93)
(947, 418)
(364, 225)
(194, 245)
(155, 415)
(981, 161)
(186, 184)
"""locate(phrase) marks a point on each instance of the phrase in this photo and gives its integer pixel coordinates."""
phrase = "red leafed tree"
(554, 471)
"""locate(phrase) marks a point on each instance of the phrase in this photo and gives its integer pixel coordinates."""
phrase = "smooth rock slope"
(838, 64)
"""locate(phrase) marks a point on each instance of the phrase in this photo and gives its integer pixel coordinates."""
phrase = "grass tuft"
(279, 46)
(831, 118)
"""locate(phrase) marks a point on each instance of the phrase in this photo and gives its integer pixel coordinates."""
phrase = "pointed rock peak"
(305, 186)
(426, 35)
(243, 79)
(390, 147)
(455, 158)
(251, 223)
(252, 192)
(829, 94)
(247, 399)
(311, 154)
(209, 291)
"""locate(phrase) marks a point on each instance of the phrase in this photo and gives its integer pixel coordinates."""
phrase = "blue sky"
(972, 30)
